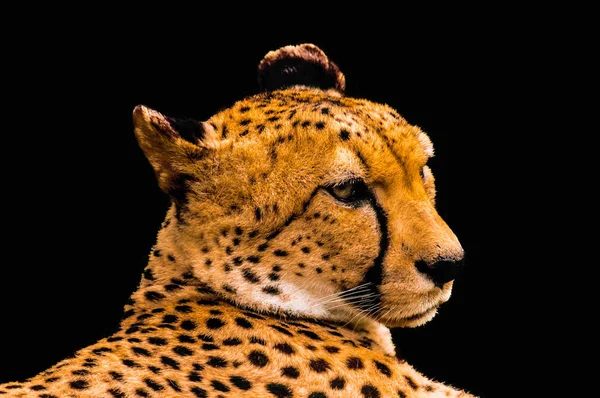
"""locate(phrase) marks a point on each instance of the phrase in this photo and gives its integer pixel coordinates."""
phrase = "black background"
(83, 207)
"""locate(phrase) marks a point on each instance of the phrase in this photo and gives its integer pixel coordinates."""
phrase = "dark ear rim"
(304, 65)
(190, 130)
(168, 153)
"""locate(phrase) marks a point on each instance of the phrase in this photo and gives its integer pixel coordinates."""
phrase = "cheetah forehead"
(301, 113)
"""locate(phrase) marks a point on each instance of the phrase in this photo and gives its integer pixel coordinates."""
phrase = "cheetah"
(302, 226)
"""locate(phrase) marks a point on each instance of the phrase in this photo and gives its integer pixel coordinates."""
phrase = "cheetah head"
(304, 201)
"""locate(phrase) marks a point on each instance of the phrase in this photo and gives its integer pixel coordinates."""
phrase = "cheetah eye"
(350, 191)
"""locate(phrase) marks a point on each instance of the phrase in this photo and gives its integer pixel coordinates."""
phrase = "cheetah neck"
(171, 278)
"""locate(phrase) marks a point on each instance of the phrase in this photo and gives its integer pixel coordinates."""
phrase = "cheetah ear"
(305, 65)
(170, 144)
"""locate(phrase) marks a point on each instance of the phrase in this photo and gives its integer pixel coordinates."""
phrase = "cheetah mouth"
(420, 315)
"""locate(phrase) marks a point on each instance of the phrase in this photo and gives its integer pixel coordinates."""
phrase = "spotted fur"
(267, 279)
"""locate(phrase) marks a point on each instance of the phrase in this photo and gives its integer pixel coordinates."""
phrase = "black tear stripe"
(375, 273)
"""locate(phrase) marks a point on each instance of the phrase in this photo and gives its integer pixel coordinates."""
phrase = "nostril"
(441, 271)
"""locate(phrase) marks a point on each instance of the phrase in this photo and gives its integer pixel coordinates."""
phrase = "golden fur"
(255, 250)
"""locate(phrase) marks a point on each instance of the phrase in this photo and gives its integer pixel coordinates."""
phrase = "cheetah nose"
(441, 271)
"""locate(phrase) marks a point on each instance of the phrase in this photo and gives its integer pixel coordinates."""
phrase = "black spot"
(116, 375)
(253, 234)
(319, 270)
(148, 274)
(172, 287)
(79, 384)
(199, 392)
(99, 351)
(240, 382)
(217, 385)
(167, 326)
(143, 316)
(157, 341)
(194, 376)
(250, 276)
(310, 334)
(291, 372)
(198, 367)
(244, 109)
(238, 261)
(305, 123)
(338, 383)
(256, 340)
(154, 296)
(429, 388)
(208, 262)
(236, 241)
(141, 392)
(188, 325)
(52, 379)
(282, 330)
(320, 125)
(276, 268)
(188, 339)
(169, 319)
(344, 135)
(238, 230)
(243, 322)
(153, 385)
(131, 364)
(183, 351)
(171, 258)
(279, 390)
(209, 347)
(214, 323)
(273, 276)
(158, 310)
(169, 362)
(298, 274)
(173, 384)
(334, 333)
(254, 259)
(306, 249)
(331, 349)
(411, 382)
(207, 302)
(141, 351)
(115, 392)
(369, 391)
(156, 253)
(229, 289)
(317, 394)
(228, 250)
(217, 362)
(236, 364)
(354, 363)
(258, 213)
(383, 368)
(37, 387)
(271, 290)
(319, 365)
(232, 341)
(349, 342)
(111, 339)
(280, 253)
(154, 369)
(285, 348)
(245, 122)
(258, 358)
(325, 111)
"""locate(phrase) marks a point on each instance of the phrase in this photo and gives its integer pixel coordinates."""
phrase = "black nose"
(441, 271)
